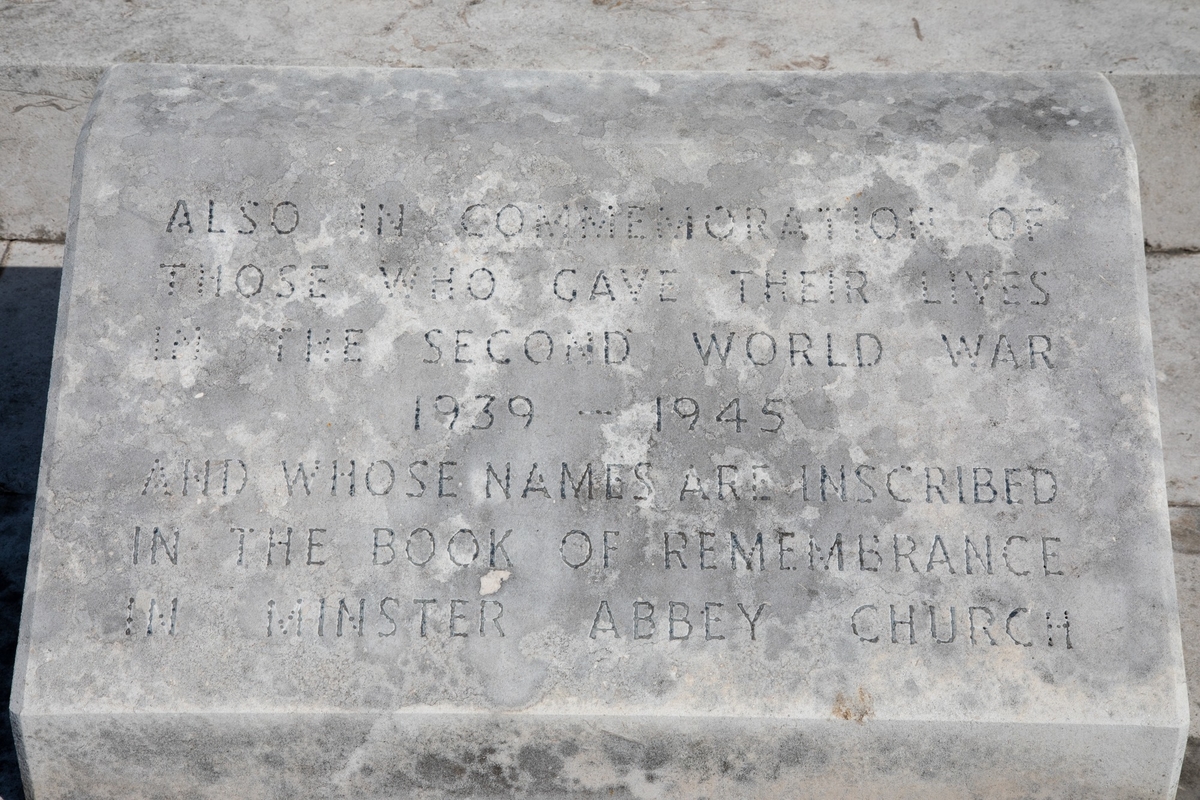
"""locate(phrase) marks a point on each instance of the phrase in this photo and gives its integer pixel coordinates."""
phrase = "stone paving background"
(52, 53)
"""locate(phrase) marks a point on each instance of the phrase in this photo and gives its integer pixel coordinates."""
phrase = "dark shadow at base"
(28, 310)
(16, 521)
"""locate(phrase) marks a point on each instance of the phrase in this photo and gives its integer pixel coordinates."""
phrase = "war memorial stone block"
(428, 434)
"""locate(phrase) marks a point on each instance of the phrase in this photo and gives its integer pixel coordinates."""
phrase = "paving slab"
(41, 111)
(548, 434)
(1140, 36)
(31, 254)
(1163, 113)
(1185, 537)
(1174, 289)
(54, 51)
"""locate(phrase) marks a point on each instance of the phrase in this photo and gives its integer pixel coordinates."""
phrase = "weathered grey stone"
(1163, 113)
(964, 576)
(41, 109)
(1185, 538)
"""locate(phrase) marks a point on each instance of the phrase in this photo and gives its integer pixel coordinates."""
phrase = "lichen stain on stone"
(542, 763)
(471, 772)
(655, 756)
(853, 709)
(438, 769)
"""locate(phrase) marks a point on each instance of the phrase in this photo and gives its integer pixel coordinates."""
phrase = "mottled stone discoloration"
(928, 543)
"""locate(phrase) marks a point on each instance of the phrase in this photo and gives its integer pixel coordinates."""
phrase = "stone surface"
(1185, 538)
(31, 254)
(1150, 46)
(305, 394)
(1174, 283)
(1140, 36)
(1163, 113)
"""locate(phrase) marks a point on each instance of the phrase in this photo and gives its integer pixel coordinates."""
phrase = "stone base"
(267, 756)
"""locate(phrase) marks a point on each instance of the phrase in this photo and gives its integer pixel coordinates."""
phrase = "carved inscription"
(482, 389)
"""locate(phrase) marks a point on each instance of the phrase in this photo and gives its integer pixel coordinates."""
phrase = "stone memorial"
(420, 434)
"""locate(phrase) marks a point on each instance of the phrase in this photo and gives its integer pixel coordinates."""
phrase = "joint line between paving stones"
(1171, 251)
